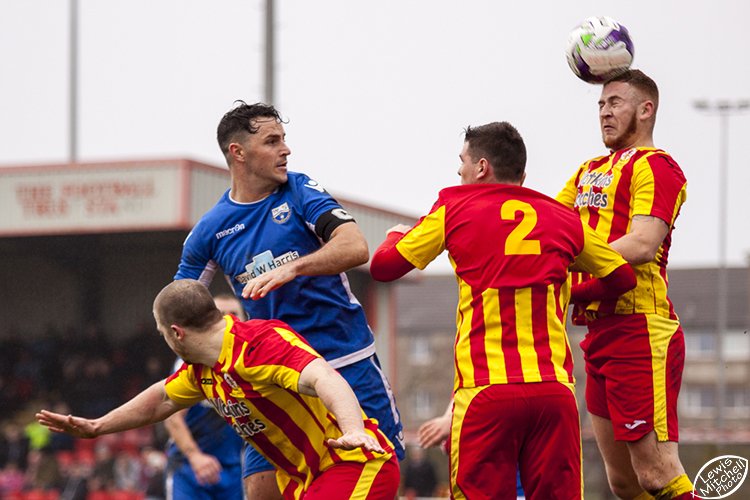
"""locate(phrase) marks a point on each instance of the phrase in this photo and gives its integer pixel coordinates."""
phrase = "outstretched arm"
(346, 249)
(318, 378)
(150, 406)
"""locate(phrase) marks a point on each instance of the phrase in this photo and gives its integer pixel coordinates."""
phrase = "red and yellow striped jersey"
(253, 386)
(607, 192)
(510, 248)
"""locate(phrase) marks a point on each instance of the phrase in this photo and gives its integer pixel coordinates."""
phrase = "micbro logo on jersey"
(264, 262)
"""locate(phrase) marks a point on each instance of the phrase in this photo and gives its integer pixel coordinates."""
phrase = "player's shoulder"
(660, 161)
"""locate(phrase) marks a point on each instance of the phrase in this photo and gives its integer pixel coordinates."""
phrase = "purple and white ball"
(599, 49)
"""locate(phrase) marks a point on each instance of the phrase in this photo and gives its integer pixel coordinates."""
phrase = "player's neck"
(207, 346)
(244, 191)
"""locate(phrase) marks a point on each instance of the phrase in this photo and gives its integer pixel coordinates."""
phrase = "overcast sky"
(377, 93)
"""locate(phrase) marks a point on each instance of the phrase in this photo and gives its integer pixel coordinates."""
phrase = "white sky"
(378, 92)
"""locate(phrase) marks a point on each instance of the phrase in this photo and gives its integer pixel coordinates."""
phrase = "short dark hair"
(239, 120)
(186, 303)
(641, 82)
(502, 146)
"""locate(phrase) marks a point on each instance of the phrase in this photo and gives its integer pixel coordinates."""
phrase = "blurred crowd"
(84, 373)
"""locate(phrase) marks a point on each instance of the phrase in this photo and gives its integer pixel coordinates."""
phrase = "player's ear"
(647, 109)
(483, 168)
(177, 331)
(237, 152)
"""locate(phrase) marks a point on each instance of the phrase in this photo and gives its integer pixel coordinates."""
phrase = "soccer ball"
(599, 49)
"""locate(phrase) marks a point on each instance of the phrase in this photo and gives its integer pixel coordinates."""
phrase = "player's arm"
(207, 468)
(345, 249)
(150, 406)
(646, 235)
(319, 379)
(387, 262)
(612, 275)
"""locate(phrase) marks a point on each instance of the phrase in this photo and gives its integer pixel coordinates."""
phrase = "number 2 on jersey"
(516, 243)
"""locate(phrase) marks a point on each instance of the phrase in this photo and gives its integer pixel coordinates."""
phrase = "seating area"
(87, 375)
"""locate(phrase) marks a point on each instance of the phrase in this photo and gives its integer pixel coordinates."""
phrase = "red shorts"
(634, 371)
(373, 480)
(499, 429)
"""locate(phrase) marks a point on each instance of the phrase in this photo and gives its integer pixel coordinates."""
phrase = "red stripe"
(476, 340)
(621, 207)
(272, 452)
(541, 333)
(293, 432)
(509, 340)
(289, 491)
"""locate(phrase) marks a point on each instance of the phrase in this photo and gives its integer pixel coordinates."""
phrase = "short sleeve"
(426, 240)
(181, 386)
(596, 256)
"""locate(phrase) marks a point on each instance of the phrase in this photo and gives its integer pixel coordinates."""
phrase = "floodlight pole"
(724, 109)
(73, 84)
(270, 52)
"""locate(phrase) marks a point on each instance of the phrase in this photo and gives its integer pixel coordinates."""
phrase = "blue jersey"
(211, 433)
(244, 240)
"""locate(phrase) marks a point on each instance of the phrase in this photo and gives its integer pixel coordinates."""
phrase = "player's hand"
(207, 468)
(354, 440)
(399, 228)
(75, 426)
(435, 431)
(258, 287)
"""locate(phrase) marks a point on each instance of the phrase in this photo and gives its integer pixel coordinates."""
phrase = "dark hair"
(502, 146)
(641, 82)
(239, 120)
(186, 303)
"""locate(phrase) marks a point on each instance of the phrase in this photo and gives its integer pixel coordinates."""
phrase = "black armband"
(330, 220)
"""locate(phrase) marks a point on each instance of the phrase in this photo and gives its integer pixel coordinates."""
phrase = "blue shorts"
(182, 485)
(376, 399)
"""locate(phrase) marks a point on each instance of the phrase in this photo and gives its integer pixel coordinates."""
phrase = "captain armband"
(330, 220)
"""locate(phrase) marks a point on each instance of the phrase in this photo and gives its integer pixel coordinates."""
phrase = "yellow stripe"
(525, 332)
(295, 340)
(461, 402)
(660, 331)
(464, 365)
(425, 241)
(366, 478)
(493, 339)
(558, 339)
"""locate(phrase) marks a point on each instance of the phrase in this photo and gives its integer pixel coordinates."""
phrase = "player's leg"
(655, 456)
(620, 474)
(487, 431)
(659, 469)
(376, 398)
(372, 480)
(622, 479)
(259, 476)
(552, 443)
